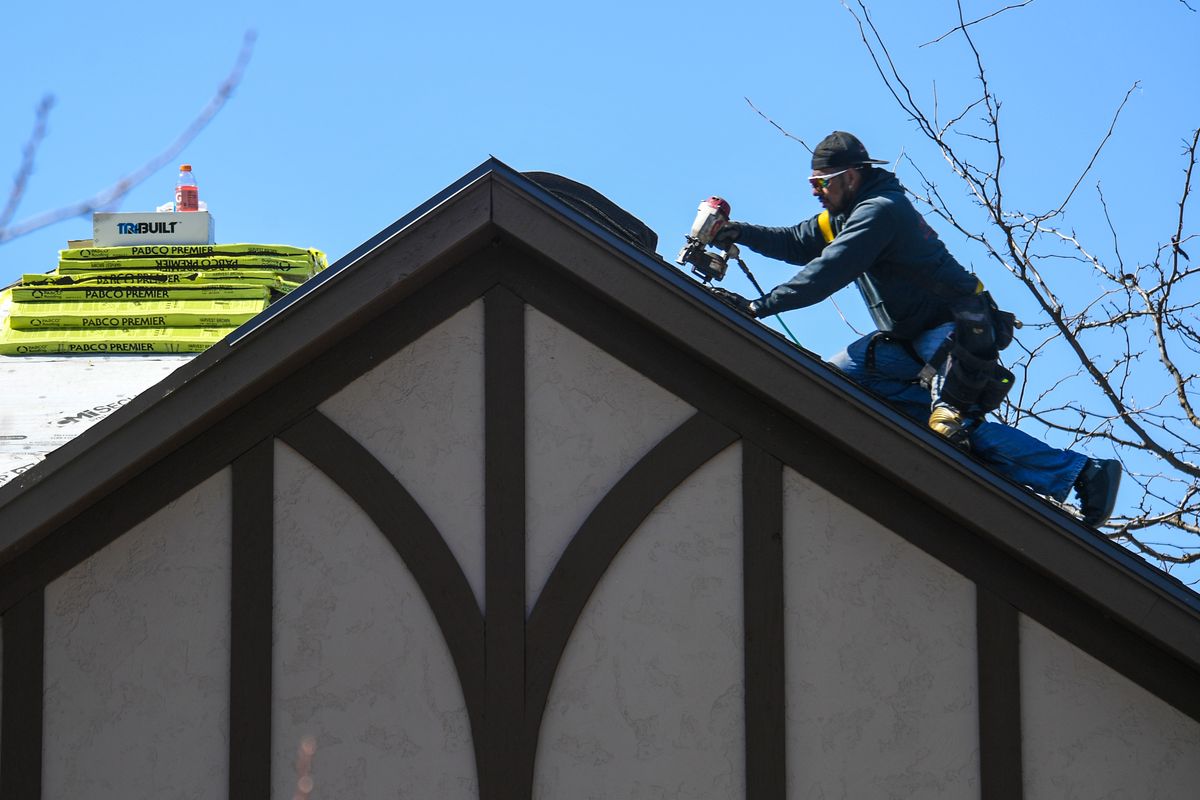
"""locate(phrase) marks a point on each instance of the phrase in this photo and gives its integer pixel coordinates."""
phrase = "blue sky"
(351, 114)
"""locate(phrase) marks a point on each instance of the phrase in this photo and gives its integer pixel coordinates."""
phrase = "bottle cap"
(185, 167)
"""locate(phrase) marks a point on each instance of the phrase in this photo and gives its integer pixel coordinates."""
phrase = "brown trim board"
(251, 626)
(763, 620)
(504, 749)
(999, 662)
(591, 551)
(417, 541)
(21, 702)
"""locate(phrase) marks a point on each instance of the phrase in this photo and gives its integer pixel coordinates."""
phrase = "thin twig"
(964, 25)
(28, 156)
(1190, 151)
(777, 126)
(1096, 154)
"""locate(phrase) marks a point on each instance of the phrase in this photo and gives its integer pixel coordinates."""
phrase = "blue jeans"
(1013, 453)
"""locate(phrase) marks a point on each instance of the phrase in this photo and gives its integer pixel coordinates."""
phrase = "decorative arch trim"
(592, 550)
(416, 539)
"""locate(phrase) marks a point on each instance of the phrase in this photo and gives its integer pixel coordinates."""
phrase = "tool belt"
(975, 381)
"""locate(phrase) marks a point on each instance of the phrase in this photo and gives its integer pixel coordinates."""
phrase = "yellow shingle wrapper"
(138, 314)
(220, 276)
(189, 251)
(137, 291)
(292, 267)
(142, 340)
(148, 299)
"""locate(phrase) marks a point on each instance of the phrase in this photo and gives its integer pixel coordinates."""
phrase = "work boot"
(1096, 488)
(948, 423)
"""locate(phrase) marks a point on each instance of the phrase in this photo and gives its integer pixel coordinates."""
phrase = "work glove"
(734, 300)
(726, 235)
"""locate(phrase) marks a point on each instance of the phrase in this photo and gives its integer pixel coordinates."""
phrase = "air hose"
(760, 291)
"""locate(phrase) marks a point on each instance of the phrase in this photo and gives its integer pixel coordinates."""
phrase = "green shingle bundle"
(148, 299)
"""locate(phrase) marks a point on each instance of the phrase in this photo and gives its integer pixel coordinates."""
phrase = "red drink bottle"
(187, 196)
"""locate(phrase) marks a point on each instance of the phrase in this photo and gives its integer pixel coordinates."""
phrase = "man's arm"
(797, 244)
(868, 230)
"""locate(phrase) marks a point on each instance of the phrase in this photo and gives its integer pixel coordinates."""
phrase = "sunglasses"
(822, 181)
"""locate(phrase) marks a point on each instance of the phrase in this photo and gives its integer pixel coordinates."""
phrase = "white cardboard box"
(185, 227)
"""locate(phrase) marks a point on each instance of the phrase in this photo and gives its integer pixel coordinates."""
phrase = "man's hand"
(733, 299)
(726, 235)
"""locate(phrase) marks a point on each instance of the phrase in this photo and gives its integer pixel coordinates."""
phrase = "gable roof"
(1107, 600)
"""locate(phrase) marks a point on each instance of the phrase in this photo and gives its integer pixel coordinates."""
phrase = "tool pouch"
(995, 389)
(966, 377)
(980, 326)
(973, 329)
(973, 384)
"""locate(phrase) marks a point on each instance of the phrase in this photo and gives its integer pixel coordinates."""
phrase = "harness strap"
(826, 226)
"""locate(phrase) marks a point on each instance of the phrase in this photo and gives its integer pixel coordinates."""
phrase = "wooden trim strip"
(999, 655)
(21, 727)
(405, 525)
(765, 698)
(251, 625)
(606, 530)
(504, 559)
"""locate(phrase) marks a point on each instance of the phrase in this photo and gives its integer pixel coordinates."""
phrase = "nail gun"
(712, 214)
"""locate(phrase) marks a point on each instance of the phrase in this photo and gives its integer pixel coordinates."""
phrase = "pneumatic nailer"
(711, 215)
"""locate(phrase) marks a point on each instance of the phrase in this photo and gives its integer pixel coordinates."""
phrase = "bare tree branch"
(963, 26)
(28, 156)
(107, 197)
(777, 126)
(1190, 152)
(1112, 126)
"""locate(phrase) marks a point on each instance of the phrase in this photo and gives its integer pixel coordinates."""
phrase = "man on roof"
(935, 353)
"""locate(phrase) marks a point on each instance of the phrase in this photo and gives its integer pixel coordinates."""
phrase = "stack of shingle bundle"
(148, 299)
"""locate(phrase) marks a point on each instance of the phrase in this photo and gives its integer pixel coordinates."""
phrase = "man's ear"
(856, 179)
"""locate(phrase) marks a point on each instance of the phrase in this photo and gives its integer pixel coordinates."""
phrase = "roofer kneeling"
(939, 333)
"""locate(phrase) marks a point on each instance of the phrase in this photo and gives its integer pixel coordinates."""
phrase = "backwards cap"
(841, 150)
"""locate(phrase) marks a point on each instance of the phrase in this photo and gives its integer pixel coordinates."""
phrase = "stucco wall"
(648, 699)
(881, 670)
(1090, 732)
(359, 663)
(137, 659)
(589, 418)
(420, 413)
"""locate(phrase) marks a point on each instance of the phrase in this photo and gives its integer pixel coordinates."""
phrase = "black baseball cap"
(841, 150)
